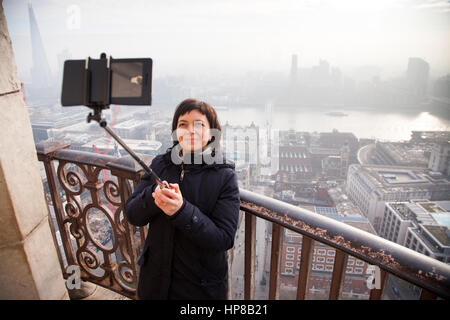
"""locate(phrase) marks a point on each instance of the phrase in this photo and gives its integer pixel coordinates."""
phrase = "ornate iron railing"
(88, 192)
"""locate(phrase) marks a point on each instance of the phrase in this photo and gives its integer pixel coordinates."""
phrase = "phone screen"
(127, 79)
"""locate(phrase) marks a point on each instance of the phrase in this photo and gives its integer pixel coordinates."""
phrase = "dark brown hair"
(204, 108)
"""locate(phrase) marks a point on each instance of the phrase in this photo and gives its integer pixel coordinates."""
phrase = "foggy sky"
(237, 36)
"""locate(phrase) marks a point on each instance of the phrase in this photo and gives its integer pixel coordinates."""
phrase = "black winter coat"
(184, 256)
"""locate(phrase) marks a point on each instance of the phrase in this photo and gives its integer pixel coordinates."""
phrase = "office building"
(294, 70)
(440, 158)
(417, 76)
(421, 225)
(295, 161)
(369, 187)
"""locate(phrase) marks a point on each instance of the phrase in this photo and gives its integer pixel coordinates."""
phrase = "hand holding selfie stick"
(96, 83)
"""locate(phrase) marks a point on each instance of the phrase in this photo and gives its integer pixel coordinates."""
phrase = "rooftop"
(430, 215)
(431, 207)
(402, 178)
(440, 233)
(357, 222)
(402, 210)
(420, 214)
(431, 136)
(394, 177)
(327, 211)
(406, 154)
(442, 218)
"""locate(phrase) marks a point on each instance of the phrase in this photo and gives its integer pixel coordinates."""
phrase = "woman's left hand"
(169, 200)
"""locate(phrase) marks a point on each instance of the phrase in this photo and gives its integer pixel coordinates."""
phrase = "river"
(380, 125)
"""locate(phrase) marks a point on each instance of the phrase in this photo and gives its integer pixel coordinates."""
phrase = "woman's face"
(193, 131)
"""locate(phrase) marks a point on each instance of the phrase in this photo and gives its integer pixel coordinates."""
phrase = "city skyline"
(228, 38)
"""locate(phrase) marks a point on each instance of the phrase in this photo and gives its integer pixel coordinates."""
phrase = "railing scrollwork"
(88, 195)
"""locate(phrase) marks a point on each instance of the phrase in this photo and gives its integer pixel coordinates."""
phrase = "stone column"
(29, 265)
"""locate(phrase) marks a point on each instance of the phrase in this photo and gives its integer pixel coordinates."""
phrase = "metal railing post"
(340, 264)
(305, 268)
(274, 283)
(250, 249)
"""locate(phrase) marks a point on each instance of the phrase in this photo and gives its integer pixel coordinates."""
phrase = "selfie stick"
(97, 116)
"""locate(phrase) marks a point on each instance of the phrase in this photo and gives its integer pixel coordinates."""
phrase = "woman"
(193, 222)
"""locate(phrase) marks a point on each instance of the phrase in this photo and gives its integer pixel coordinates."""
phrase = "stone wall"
(29, 265)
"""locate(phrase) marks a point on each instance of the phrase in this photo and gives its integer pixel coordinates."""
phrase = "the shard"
(40, 71)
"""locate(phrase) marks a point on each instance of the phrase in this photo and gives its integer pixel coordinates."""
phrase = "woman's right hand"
(169, 200)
